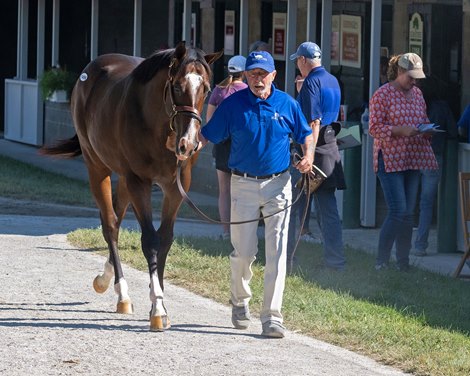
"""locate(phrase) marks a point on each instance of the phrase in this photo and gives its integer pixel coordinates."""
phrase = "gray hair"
(314, 61)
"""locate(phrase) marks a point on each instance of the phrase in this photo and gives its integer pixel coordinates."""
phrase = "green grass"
(417, 321)
(21, 181)
(25, 182)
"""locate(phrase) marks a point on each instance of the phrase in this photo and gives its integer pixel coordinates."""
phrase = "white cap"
(236, 64)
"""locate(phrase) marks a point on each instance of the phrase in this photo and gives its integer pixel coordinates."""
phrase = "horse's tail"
(64, 148)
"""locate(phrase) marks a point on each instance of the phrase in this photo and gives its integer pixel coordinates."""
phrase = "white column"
(368, 177)
(243, 27)
(22, 42)
(137, 27)
(55, 32)
(94, 29)
(327, 12)
(187, 22)
(291, 46)
(312, 21)
(40, 37)
(375, 31)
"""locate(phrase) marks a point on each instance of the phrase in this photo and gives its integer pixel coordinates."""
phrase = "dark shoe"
(403, 268)
(381, 267)
(273, 329)
(240, 317)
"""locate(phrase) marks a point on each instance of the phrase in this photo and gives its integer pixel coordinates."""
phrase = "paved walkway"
(53, 323)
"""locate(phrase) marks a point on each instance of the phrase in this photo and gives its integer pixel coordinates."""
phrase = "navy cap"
(309, 50)
(260, 59)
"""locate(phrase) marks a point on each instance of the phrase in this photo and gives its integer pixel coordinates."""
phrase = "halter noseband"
(175, 110)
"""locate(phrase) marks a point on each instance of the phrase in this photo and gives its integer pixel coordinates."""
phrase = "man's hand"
(303, 164)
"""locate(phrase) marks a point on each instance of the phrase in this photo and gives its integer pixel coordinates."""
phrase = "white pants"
(250, 198)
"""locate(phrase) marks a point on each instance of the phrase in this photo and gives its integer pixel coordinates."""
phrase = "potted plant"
(56, 84)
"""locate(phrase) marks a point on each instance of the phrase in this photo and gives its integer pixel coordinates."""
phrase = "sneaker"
(381, 267)
(419, 253)
(240, 317)
(273, 329)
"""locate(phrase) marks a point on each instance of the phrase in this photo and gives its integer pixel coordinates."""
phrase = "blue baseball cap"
(236, 64)
(309, 50)
(260, 59)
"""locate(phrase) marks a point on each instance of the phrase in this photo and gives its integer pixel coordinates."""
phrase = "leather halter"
(175, 110)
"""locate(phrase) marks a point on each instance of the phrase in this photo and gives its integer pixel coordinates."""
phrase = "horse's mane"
(145, 71)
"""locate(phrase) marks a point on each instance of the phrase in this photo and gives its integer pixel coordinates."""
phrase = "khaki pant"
(250, 198)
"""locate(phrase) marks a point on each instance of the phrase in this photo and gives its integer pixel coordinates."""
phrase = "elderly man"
(260, 120)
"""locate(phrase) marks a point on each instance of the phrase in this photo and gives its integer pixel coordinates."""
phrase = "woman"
(221, 152)
(400, 151)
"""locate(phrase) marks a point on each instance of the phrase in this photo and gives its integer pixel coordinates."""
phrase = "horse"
(138, 118)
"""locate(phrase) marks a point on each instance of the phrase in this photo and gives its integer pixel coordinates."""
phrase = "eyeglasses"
(257, 73)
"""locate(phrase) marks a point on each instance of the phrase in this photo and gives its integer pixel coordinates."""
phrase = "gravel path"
(53, 323)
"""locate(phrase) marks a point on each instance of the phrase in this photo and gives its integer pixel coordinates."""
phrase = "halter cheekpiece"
(175, 110)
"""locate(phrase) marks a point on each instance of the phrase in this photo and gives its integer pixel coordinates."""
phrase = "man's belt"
(262, 177)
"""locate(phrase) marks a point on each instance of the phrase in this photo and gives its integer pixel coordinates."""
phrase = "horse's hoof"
(100, 285)
(125, 307)
(159, 323)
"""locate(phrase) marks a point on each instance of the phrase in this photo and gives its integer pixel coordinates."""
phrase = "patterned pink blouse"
(389, 108)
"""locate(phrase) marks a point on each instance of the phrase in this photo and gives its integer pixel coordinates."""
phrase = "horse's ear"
(210, 58)
(180, 50)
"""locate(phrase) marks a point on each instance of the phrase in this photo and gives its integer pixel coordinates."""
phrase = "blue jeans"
(330, 227)
(400, 191)
(429, 185)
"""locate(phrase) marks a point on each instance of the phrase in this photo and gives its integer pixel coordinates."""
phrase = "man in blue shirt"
(464, 124)
(260, 120)
(319, 97)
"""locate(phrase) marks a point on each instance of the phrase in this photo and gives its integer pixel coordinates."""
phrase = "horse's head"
(189, 78)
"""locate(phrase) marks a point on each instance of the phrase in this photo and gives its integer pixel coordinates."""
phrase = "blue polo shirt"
(259, 130)
(464, 121)
(320, 96)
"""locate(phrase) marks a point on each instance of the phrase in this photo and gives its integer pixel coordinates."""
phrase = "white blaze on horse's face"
(195, 81)
(189, 141)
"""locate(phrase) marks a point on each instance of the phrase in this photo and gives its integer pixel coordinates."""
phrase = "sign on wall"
(466, 5)
(279, 36)
(350, 41)
(415, 38)
(229, 37)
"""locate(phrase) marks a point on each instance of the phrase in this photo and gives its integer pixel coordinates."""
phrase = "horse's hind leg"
(120, 204)
(100, 184)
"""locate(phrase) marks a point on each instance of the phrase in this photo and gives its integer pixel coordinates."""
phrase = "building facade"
(38, 34)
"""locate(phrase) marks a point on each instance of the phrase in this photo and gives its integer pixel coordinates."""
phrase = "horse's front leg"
(154, 245)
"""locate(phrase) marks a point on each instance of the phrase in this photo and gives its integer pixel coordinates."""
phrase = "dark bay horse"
(138, 117)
